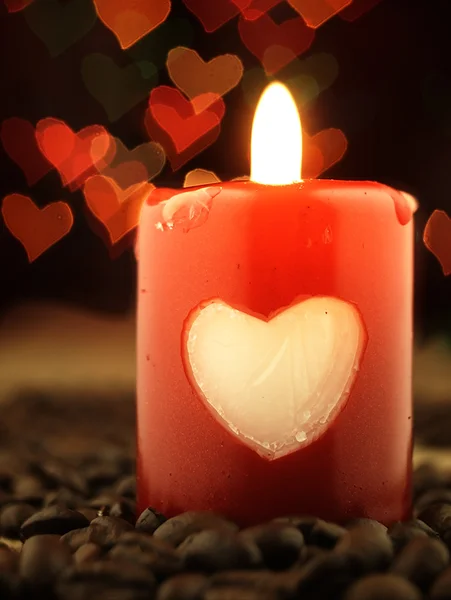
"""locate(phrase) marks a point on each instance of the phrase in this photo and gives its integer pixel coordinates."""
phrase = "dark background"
(392, 99)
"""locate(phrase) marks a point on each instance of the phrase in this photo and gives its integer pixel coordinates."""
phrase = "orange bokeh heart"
(36, 228)
(117, 209)
(275, 45)
(129, 167)
(19, 141)
(317, 12)
(198, 177)
(183, 127)
(194, 77)
(437, 238)
(69, 152)
(322, 151)
(131, 20)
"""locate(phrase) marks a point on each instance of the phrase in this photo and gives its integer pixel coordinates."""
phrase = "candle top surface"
(326, 190)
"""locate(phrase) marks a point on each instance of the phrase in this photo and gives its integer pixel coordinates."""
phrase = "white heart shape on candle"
(277, 384)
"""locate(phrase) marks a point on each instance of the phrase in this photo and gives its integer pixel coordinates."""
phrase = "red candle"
(274, 342)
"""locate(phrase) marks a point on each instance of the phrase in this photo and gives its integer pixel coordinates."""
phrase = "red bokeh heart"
(70, 153)
(36, 228)
(19, 141)
(117, 209)
(275, 45)
(215, 14)
(317, 12)
(437, 238)
(183, 127)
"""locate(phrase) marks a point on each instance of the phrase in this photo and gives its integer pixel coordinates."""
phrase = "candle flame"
(276, 149)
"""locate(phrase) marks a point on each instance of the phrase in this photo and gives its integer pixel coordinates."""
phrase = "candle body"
(260, 249)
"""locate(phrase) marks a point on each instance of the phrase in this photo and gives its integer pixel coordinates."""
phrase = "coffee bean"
(76, 538)
(304, 524)
(149, 521)
(105, 580)
(101, 475)
(6, 478)
(87, 553)
(177, 529)
(237, 593)
(145, 550)
(102, 503)
(52, 520)
(63, 497)
(433, 496)
(5, 498)
(437, 516)
(279, 544)
(283, 584)
(124, 508)
(183, 587)
(217, 550)
(9, 559)
(126, 487)
(363, 522)
(55, 474)
(383, 587)
(105, 531)
(42, 559)
(368, 548)
(89, 513)
(325, 576)
(10, 586)
(29, 488)
(13, 516)
(441, 590)
(401, 533)
(421, 561)
(426, 477)
(325, 534)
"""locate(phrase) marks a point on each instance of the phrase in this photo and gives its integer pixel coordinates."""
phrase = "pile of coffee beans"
(68, 528)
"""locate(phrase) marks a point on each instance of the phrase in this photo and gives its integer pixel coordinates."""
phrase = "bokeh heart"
(254, 9)
(37, 229)
(131, 21)
(18, 137)
(198, 177)
(128, 167)
(60, 24)
(213, 15)
(322, 151)
(183, 127)
(275, 45)
(317, 12)
(305, 79)
(70, 152)
(117, 209)
(16, 5)
(118, 89)
(173, 32)
(437, 238)
(194, 77)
